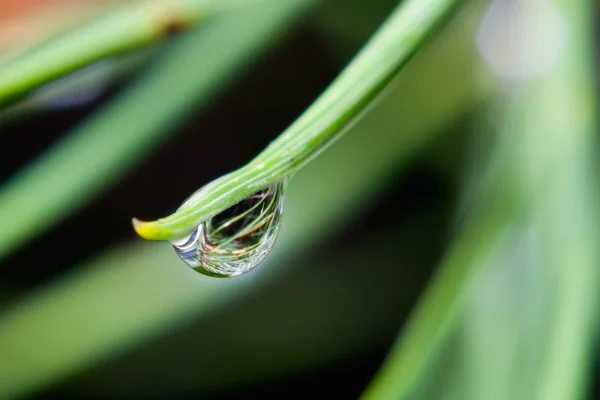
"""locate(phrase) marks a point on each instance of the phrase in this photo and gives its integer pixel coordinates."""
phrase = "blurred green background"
(89, 310)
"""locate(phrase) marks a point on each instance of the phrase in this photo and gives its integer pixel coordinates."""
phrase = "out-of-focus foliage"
(509, 313)
(529, 323)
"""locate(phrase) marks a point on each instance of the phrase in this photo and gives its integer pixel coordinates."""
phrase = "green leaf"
(130, 26)
(388, 51)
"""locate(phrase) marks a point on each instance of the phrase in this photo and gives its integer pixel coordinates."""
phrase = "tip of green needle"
(150, 230)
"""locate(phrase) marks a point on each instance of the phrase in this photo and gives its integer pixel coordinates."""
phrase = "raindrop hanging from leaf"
(236, 240)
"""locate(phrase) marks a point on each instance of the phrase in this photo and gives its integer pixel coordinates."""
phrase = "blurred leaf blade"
(542, 175)
(552, 263)
(131, 25)
(568, 214)
(23, 26)
(432, 320)
(123, 132)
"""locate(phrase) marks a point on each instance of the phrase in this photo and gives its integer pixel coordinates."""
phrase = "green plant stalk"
(106, 74)
(128, 27)
(404, 32)
(99, 152)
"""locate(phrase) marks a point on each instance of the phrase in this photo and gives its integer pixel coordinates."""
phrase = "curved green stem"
(387, 52)
(128, 27)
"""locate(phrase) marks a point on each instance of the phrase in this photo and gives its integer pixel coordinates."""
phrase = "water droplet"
(238, 239)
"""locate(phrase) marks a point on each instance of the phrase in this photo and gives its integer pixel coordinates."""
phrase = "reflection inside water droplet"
(238, 239)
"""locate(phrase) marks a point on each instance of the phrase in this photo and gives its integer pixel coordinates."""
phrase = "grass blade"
(132, 25)
(405, 31)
